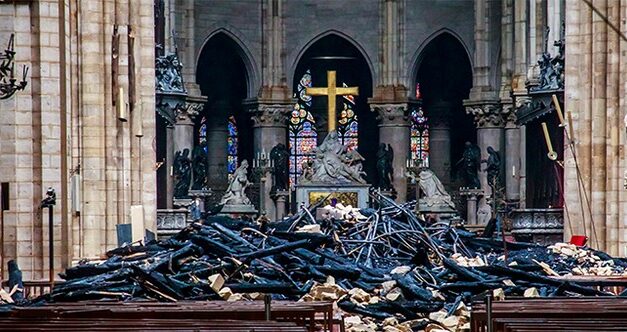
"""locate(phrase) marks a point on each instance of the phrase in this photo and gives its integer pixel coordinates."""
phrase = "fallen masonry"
(386, 269)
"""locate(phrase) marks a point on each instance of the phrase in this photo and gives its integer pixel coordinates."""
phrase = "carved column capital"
(270, 115)
(391, 114)
(489, 114)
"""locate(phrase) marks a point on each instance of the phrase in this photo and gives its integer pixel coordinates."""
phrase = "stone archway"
(335, 52)
(443, 80)
(223, 77)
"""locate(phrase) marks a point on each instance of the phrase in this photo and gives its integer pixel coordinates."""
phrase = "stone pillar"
(394, 129)
(512, 159)
(217, 132)
(169, 164)
(269, 129)
(440, 140)
(183, 133)
(490, 121)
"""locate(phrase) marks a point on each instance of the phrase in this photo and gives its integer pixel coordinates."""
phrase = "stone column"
(394, 129)
(490, 121)
(269, 129)
(512, 159)
(440, 140)
(217, 132)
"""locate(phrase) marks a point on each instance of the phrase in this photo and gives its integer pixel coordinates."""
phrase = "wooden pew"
(551, 314)
(301, 313)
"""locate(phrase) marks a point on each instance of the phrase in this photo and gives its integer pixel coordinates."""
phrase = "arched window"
(348, 125)
(231, 147)
(419, 138)
(302, 130)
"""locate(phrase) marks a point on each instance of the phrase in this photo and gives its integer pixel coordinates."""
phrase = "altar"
(355, 195)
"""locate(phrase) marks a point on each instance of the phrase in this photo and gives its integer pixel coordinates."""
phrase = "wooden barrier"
(550, 314)
(309, 315)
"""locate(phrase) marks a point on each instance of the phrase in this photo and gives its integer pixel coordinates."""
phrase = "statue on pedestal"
(280, 157)
(493, 166)
(182, 173)
(335, 164)
(236, 192)
(435, 194)
(199, 166)
(469, 164)
(385, 157)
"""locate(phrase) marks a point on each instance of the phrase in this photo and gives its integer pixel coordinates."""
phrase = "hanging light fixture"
(8, 82)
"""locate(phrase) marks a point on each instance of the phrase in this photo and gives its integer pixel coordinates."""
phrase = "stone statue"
(182, 173)
(199, 166)
(385, 157)
(493, 166)
(335, 164)
(168, 73)
(280, 157)
(435, 194)
(469, 164)
(484, 212)
(236, 192)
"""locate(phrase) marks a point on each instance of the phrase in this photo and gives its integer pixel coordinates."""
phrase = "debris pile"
(387, 269)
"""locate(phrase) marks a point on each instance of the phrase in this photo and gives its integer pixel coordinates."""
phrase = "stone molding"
(391, 114)
(491, 114)
(270, 115)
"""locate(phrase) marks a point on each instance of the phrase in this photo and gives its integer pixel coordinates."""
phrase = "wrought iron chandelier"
(8, 82)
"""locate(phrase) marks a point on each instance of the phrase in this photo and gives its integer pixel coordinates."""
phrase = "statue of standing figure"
(280, 157)
(236, 192)
(199, 166)
(182, 173)
(493, 166)
(469, 164)
(385, 157)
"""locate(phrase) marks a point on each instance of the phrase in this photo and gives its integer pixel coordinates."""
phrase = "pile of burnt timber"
(385, 267)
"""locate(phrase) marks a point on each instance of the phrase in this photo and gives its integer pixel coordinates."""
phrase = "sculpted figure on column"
(182, 173)
(385, 157)
(493, 166)
(469, 164)
(236, 192)
(280, 156)
(199, 165)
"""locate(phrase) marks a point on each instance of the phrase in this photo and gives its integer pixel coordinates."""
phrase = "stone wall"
(65, 123)
(596, 81)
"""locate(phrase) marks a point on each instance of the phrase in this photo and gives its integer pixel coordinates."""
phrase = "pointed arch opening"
(357, 126)
(223, 126)
(443, 78)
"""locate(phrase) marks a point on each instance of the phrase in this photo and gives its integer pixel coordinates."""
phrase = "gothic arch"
(252, 72)
(418, 56)
(318, 37)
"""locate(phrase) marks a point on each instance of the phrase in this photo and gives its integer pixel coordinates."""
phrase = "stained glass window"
(419, 137)
(231, 147)
(202, 133)
(348, 125)
(302, 130)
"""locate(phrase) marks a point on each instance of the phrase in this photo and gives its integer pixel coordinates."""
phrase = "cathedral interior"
(125, 121)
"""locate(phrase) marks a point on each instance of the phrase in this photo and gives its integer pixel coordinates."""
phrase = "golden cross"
(332, 91)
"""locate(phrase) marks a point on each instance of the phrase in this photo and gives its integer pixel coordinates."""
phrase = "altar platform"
(354, 194)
